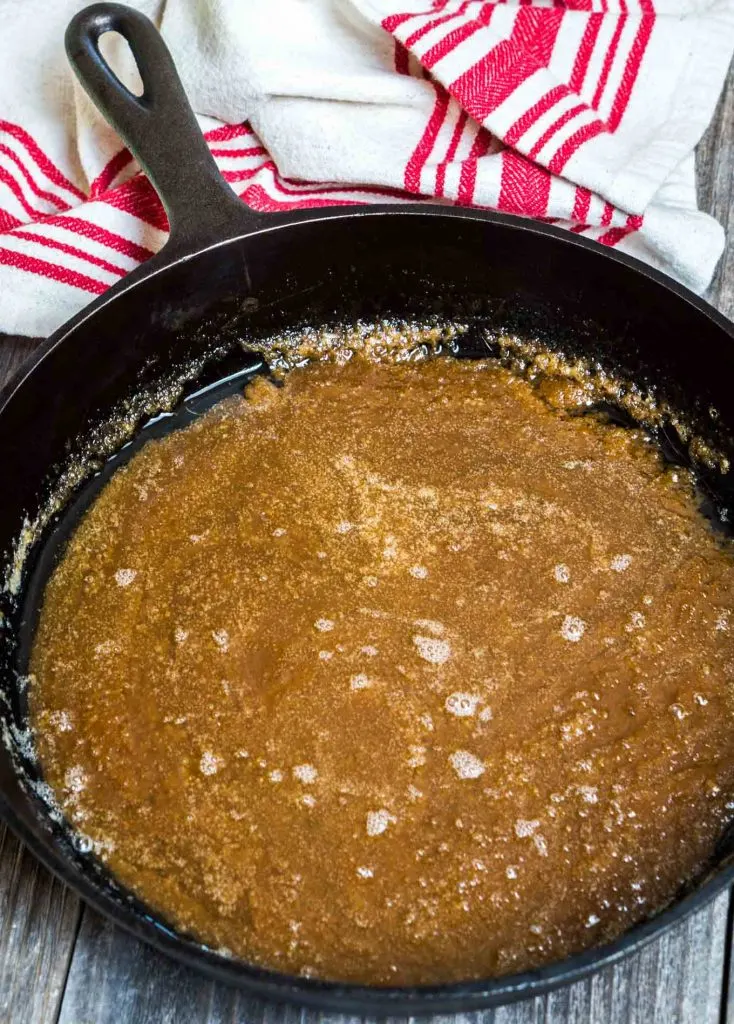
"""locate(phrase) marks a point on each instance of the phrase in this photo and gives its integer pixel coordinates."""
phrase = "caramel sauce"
(393, 674)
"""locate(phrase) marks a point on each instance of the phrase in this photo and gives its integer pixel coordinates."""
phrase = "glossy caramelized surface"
(393, 674)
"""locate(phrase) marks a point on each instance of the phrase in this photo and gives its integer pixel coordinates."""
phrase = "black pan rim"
(455, 997)
(165, 260)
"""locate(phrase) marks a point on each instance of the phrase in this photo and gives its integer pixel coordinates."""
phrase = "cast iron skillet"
(230, 273)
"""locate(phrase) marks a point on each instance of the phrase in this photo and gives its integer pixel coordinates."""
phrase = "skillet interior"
(496, 276)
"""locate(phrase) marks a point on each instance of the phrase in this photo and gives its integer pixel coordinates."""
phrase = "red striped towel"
(582, 112)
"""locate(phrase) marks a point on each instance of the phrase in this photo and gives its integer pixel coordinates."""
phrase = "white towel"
(582, 112)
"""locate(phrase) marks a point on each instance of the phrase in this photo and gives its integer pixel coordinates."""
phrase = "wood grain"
(39, 918)
(715, 175)
(58, 963)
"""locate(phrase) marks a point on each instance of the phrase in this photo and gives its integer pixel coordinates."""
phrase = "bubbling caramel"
(393, 674)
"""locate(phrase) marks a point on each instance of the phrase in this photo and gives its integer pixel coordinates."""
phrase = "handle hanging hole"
(137, 89)
(117, 54)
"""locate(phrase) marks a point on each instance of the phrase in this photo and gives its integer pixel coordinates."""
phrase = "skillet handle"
(158, 127)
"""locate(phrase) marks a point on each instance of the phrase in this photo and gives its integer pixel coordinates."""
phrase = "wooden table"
(61, 962)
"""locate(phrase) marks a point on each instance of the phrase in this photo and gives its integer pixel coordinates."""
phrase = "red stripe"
(395, 20)
(430, 25)
(450, 152)
(248, 172)
(586, 49)
(103, 236)
(536, 30)
(402, 59)
(109, 172)
(367, 190)
(569, 147)
(249, 151)
(8, 221)
(525, 186)
(258, 199)
(607, 214)
(615, 235)
(631, 70)
(468, 178)
(581, 205)
(52, 270)
(70, 250)
(489, 82)
(318, 196)
(350, 191)
(608, 61)
(556, 126)
(453, 39)
(41, 193)
(225, 132)
(15, 188)
(44, 164)
(518, 129)
(373, 190)
(139, 198)
(423, 150)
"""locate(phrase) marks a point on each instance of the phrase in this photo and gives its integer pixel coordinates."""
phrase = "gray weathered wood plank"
(39, 918)
(715, 174)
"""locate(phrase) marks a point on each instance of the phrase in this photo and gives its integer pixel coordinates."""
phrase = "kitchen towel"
(581, 112)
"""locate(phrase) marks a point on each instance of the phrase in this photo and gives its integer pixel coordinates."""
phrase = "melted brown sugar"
(394, 674)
